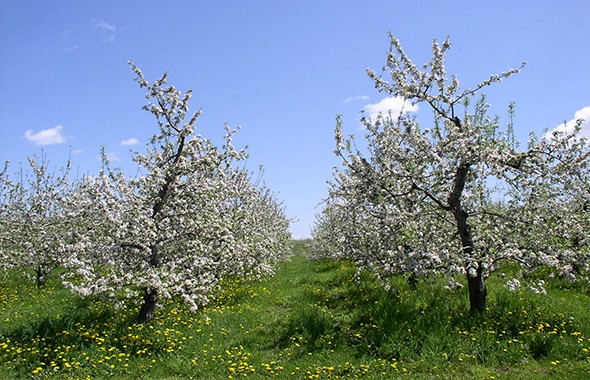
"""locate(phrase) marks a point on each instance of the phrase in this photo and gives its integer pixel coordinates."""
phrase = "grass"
(312, 320)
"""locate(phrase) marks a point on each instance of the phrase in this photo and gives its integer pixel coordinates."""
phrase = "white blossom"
(513, 285)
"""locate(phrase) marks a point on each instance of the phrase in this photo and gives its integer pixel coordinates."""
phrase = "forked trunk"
(146, 312)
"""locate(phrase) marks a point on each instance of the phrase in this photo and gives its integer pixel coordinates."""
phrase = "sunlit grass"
(312, 320)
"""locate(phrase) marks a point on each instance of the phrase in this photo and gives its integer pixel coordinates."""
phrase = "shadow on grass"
(62, 328)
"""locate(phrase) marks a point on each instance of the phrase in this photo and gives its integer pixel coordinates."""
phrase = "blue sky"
(280, 70)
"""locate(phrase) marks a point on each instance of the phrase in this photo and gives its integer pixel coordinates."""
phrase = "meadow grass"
(312, 320)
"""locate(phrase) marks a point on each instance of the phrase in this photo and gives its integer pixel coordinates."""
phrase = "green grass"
(311, 320)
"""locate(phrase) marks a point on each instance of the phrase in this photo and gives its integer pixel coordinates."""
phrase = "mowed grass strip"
(312, 320)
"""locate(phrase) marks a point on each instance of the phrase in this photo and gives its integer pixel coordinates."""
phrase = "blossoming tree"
(33, 229)
(192, 218)
(456, 197)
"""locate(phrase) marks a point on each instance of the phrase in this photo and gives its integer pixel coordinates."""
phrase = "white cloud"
(130, 141)
(360, 97)
(568, 126)
(46, 136)
(393, 104)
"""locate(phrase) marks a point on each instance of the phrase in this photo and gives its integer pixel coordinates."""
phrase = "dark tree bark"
(41, 276)
(146, 312)
(150, 298)
(477, 291)
(475, 281)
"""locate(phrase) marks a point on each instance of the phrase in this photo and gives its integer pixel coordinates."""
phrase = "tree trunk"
(413, 281)
(476, 285)
(477, 291)
(475, 281)
(146, 312)
(150, 298)
(41, 276)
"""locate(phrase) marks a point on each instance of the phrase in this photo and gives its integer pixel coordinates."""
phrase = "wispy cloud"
(360, 97)
(102, 24)
(46, 136)
(395, 105)
(130, 141)
(110, 29)
(70, 41)
(568, 126)
(68, 49)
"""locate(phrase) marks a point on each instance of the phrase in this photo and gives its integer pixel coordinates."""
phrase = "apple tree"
(458, 195)
(190, 219)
